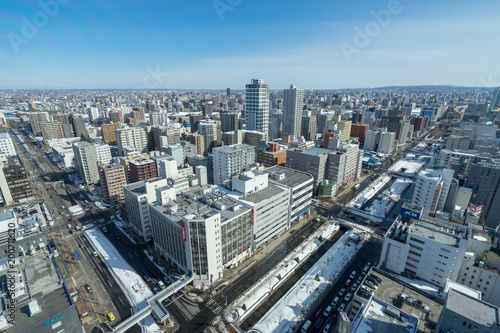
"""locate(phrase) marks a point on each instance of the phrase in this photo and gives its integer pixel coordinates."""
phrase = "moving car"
(147, 278)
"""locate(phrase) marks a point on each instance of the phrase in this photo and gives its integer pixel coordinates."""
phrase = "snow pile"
(370, 191)
(294, 305)
(421, 285)
(256, 295)
(130, 282)
(398, 188)
(406, 167)
(381, 207)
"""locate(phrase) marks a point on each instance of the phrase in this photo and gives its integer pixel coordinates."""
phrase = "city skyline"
(219, 44)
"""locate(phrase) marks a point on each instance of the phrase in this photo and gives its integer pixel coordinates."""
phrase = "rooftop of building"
(4, 136)
(442, 232)
(142, 162)
(426, 308)
(288, 177)
(140, 186)
(259, 196)
(234, 148)
(6, 215)
(44, 287)
(313, 151)
(380, 317)
(476, 310)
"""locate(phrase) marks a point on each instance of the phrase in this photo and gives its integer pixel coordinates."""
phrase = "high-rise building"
(109, 132)
(495, 99)
(112, 179)
(6, 145)
(228, 91)
(380, 140)
(158, 118)
(51, 130)
(116, 116)
(484, 179)
(228, 161)
(229, 121)
(14, 182)
(431, 189)
(93, 113)
(312, 161)
(293, 102)
(35, 118)
(257, 106)
(103, 153)
(79, 126)
(344, 165)
(309, 128)
(132, 137)
(208, 128)
(86, 162)
(65, 124)
(142, 170)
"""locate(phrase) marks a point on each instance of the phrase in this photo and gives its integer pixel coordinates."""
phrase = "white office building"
(431, 189)
(93, 113)
(380, 140)
(6, 145)
(293, 102)
(257, 106)
(430, 251)
(228, 161)
(269, 202)
(137, 197)
(132, 137)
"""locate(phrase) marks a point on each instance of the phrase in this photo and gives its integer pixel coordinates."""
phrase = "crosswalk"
(214, 306)
(73, 235)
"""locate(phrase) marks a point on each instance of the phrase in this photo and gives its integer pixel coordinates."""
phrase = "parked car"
(147, 278)
(384, 228)
(319, 323)
(348, 282)
(327, 328)
(327, 311)
(342, 292)
(348, 297)
(370, 284)
(335, 301)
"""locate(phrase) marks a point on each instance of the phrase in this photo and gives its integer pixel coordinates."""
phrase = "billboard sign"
(183, 231)
(410, 213)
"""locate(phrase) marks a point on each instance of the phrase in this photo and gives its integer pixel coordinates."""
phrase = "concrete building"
(132, 137)
(229, 161)
(109, 132)
(158, 118)
(67, 129)
(93, 113)
(137, 197)
(270, 204)
(112, 179)
(202, 232)
(461, 161)
(273, 154)
(484, 179)
(79, 126)
(257, 106)
(103, 153)
(344, 165)
(229, 121)
(292, 111)
(209, 129)
(359, 130)
(6, 145)
(177, 153)
(301, 185)
(86, 162)
(14, 182)
(35, 118)
(459, 142)
(430, 251)
(312, 161)
(431, 189)
(125, 161)
(142, 170)
(465, 313)
(51, 130)
(495, 99)
(309, 128)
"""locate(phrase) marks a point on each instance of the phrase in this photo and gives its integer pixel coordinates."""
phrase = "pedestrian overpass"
(154, 306)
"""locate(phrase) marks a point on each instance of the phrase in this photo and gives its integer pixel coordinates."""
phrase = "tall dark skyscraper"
(228, 91)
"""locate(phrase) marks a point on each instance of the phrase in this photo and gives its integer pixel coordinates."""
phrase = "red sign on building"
(183, 231)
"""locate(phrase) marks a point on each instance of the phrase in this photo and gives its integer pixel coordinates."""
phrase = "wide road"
(196, 317)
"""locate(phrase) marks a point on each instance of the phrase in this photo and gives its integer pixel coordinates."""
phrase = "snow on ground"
(120, 224)
(421, 285)
(130, 282)
(370, 191)
(255, 295)
(295, 304)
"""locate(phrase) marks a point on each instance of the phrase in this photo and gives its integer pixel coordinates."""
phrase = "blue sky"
(213, 44)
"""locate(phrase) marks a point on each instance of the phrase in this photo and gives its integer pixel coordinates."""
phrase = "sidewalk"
(261, 254)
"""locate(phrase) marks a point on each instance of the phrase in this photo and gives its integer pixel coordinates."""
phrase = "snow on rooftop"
(287, 312)
(370, 191)
(406, 166)
(125, 276)
(421, 285)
